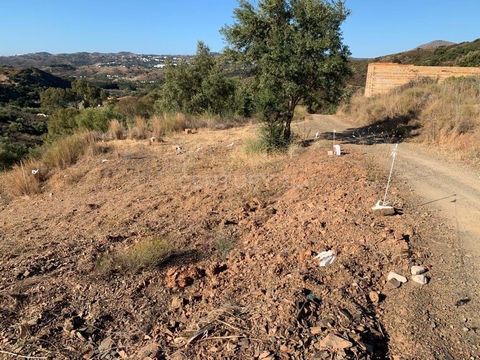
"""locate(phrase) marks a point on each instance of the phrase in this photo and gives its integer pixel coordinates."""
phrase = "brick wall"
(383, 77)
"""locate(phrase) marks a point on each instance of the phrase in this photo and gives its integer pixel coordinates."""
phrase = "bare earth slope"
(243, 282)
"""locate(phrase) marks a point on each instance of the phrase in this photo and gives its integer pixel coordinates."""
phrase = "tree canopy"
(295, 48)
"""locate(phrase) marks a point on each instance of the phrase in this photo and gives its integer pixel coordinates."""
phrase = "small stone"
(418, 270)
(394, 283)
(315, 330)
(105, 345)
(123, 354)
(177, 303)
(334, 342)
(264, 355)
(420, 279)
(465, 329)
(394, 275)
(150, 350)
(374, 297)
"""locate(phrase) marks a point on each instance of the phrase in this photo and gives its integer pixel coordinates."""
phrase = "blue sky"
(375, 27)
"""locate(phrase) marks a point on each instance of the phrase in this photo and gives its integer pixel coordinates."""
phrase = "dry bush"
(115, 130)
(145, 254)
(67, 151)
(21, 181)
(139, 130)
(448, 113)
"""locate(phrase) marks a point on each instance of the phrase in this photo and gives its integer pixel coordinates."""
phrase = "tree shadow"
(386, 131)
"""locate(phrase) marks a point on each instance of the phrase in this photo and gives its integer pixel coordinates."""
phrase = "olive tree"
(295, 49)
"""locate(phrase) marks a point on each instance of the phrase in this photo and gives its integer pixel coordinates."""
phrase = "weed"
(145, 254)
(224, 243)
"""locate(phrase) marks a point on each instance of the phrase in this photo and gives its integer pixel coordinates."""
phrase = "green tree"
(197, 87)
(62, 122)
(294, 48)
(88, 94)
(56, 98)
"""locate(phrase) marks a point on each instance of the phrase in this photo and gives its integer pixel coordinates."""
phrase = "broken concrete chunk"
(420, 279)
(382, 209)
(393, 275)
(418, 270)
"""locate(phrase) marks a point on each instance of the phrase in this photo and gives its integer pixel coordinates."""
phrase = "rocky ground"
(243, 281)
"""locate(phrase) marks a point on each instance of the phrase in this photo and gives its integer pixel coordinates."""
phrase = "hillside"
(435, 44)
(237, 275)
(22, 87)
(436, 53)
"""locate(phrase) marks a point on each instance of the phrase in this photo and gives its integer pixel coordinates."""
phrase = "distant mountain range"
(127, 59)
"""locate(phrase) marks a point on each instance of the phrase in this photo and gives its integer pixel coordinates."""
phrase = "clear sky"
(375, 27)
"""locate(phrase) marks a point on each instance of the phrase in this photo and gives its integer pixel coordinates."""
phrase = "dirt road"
(450, 188)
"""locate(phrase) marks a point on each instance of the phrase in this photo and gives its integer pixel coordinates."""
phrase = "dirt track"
(448, 187)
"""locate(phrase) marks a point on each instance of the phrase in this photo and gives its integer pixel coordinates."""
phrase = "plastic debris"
(230, 145)
(326, 257)
(317, 135)
(35, 171)
(104, 161)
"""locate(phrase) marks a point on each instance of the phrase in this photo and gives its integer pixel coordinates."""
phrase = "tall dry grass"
(447, 113)
(139, 130)
(67, 151)
(116, 130)
(23, 179)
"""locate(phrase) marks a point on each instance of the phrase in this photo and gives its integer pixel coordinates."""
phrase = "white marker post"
(394, 156)
(381, 207)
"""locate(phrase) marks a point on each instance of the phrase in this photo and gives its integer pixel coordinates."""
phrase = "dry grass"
(116, 130)
(139, 130)
(447, 113)
(22, 181)
(68, 150)
(145, 254)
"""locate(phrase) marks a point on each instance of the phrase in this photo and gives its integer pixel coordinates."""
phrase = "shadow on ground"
(388, 131)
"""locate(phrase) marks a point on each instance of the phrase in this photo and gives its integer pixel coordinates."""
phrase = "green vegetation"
(197, 87)
(295, 50)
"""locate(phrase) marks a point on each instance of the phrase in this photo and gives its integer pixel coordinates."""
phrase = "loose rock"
(420, 279)
(394, 275)
(335, 342)
(418, 270)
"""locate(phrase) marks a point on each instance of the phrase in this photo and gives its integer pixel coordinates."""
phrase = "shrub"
(21, 181)
(65, 152)
(96, 119)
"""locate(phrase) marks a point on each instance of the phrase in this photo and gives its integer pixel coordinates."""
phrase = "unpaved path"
(450, 188)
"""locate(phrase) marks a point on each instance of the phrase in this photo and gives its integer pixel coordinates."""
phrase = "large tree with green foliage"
(295, 49)
(197, 86)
